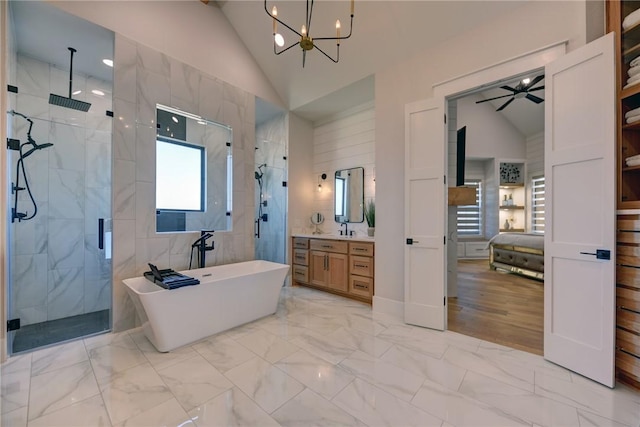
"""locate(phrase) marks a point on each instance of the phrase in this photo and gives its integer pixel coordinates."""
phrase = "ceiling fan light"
(526, 81)
(279, 40)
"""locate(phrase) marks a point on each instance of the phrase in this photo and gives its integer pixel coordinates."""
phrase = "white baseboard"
(388, 306)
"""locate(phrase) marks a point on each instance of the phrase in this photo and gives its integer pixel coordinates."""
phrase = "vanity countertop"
(336, 237)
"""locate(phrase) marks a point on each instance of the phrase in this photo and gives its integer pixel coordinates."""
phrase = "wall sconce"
(320, 179)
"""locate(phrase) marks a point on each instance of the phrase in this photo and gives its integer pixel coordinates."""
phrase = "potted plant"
(370, 216)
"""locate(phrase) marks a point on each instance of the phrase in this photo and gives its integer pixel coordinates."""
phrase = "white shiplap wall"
(343, 142)
(535, 167)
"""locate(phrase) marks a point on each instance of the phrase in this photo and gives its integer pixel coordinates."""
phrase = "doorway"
(504, 125)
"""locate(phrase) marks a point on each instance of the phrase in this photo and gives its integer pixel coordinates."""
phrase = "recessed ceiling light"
(174, 118)
(97, 92)
(77, 92)
(108, 62)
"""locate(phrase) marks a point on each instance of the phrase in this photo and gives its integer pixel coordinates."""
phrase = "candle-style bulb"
(303, 30)
(338, 28)
(352, 1)
(274, 13)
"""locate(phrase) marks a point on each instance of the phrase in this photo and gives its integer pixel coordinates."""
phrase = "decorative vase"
(371, 231)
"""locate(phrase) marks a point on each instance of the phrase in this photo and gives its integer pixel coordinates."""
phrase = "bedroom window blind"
(537, 205)
(470, 216)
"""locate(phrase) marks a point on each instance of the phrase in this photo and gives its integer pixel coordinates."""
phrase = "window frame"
(478, 207)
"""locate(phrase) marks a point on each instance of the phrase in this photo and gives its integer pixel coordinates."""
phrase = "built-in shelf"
(512, 230)
(512, 207)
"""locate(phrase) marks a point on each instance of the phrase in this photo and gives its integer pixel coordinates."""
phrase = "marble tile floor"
(320, 360)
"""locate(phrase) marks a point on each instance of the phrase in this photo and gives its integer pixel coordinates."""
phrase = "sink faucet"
(346, 229)
(201, 245)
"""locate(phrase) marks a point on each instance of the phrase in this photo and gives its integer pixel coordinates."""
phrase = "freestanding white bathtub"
(227, 296)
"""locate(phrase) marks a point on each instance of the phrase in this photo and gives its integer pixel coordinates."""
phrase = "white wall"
(489, 134)
(300, 182)
(535, 167)
(342, 143)
(534, 25)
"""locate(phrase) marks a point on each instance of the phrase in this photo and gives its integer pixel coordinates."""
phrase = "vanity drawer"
(300, 243)
(301, 256)
(362, 266)
(359, 248)
(301, 274)
(329, 245)
(361, 286)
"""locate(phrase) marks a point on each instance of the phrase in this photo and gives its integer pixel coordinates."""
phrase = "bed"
(519, 253)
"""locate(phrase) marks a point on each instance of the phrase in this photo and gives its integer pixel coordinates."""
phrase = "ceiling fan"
(520, 91)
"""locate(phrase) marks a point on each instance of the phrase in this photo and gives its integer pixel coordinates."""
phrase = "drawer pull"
(361, 265)
(327, 246)
(360, 249)
(359, 286)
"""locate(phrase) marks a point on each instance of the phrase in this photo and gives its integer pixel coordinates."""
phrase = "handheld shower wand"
(16, 188)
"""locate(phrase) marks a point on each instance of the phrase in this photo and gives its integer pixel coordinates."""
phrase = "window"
(470, 216)
(180, 176)
(537, 205)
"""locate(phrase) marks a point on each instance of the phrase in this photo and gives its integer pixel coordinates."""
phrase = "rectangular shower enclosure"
(59, 169)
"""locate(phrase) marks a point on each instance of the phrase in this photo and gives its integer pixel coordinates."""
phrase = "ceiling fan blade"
(534, 98)
(536, 88)
(533, 82)
(509, 88)
(491, 99)
(505, 104)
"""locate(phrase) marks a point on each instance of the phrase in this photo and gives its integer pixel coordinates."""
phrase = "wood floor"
(499, 307)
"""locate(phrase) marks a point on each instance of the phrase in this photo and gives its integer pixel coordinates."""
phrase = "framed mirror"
(193, 173)
(349, 195)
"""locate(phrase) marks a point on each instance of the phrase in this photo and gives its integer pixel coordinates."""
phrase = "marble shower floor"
(320, 360)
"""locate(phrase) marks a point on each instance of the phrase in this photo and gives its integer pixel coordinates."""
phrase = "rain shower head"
(68, 102)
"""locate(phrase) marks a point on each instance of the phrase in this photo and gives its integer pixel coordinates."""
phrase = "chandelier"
(305, 40)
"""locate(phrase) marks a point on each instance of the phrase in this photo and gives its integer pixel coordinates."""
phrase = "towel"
(631, 19)
(633, 119)
(632, 81)
(633, 71)
(634, 112)
(635, 62)
(633, 163)
(632, 158)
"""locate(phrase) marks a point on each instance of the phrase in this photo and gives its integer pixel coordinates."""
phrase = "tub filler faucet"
(201, 245)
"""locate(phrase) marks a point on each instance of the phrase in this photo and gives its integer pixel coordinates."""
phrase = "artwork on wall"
(511, 173)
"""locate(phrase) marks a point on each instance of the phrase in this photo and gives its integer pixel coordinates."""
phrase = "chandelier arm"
(284, 50)
(325, 54)
(279, 21)
(338, 38)
(309, 14)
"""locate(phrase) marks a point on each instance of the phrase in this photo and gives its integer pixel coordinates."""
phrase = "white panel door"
(579, 288)
(425, 219)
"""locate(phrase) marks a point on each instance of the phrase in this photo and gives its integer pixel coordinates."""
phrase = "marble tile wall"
(144, 77)
(271, 144)
(56, 267)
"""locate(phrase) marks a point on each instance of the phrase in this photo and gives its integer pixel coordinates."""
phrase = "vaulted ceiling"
(384, 33)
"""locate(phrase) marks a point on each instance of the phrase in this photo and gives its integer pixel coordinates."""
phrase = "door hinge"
(445, 240)
(445, 179)
(445, 119)
(13, 325)
(445, 301)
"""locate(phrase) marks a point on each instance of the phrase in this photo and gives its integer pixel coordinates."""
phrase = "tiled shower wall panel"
(144, 77)
(271, 144)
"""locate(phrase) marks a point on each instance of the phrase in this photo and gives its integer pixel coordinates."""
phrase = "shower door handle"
(100, 233)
